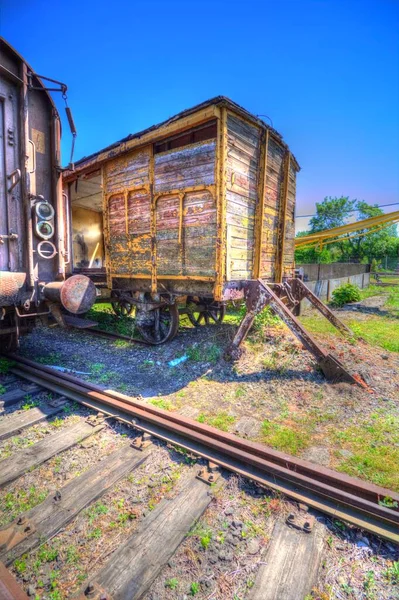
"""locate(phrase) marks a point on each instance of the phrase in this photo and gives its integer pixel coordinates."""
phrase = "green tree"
(334, 212)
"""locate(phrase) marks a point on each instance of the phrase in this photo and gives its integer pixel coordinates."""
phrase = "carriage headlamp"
(44, 211)
(44, 229)
(44, 225)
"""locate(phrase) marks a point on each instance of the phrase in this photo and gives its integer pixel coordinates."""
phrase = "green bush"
(347, 292)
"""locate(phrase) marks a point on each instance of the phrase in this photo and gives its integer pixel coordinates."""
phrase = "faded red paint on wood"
(186, 243)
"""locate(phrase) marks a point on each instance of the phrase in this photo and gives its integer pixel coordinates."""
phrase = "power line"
(347, 211)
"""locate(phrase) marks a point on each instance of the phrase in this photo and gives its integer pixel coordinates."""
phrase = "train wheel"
(202, 311)
(121, 308)
(159, 325)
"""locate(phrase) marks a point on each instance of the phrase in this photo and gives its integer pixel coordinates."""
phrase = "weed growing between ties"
(14, 503)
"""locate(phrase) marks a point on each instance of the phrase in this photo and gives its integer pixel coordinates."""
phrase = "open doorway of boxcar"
(87, 230)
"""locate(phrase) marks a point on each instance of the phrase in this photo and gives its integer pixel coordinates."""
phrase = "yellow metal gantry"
(325, 237)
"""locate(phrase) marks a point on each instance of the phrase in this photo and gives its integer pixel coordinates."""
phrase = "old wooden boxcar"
(192, 207)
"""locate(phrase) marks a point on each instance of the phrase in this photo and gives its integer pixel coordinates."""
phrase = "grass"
(19, 501)
(392, 293)
(96, 511)
(206, 540)
(5, 365)
(29, 403)
(381, 331)
(108, 321)
(194, 588)
(99, 372)
(172, 583)
(15, 443)
(392, 573)
(377, 331)
(374, 290)
(264, 319)
(204, 353)
(221, 420)
(53, 358)
(162, 403)
(291, 439)
(240, 392)
(374, 444)
(2, 390)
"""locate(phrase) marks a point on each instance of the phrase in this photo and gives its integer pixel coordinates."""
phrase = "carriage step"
(79, 323)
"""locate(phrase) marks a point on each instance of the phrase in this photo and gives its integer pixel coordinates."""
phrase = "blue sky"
(325, 71)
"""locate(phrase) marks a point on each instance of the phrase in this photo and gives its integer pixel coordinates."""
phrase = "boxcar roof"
(117, 148)
(5, 47)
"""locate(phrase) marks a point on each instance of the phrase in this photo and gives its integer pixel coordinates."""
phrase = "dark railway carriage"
(34, 242)
(193, 207)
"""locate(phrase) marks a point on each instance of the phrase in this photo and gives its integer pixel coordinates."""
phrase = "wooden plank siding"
(276, 156)
(243, 152)
(186, 240)
(162, 199)
(126, 185)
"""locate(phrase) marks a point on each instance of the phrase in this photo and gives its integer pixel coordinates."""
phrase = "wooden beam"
(16, 465)
(220, 174)
(14, 396)
(134, 566)
(49, 517)
(290, 568)
(150, 137)
(260, 209)
(18, 422)
(279, 265)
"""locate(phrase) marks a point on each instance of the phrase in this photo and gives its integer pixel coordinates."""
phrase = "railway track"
(134, 566)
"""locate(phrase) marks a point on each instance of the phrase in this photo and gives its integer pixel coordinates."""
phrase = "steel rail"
(334, 493)
(369, 491)
(111, 335)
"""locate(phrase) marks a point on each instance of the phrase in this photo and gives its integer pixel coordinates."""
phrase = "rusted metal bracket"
(209, 474)
(56, 402)
(95, 420)
(56, 313)
(303, 522)
(258, 295)
(16, 532)
(142, 442)
(94, 591)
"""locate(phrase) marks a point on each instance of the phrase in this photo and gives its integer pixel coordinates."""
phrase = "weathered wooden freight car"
(197, 207)
(192, 206)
